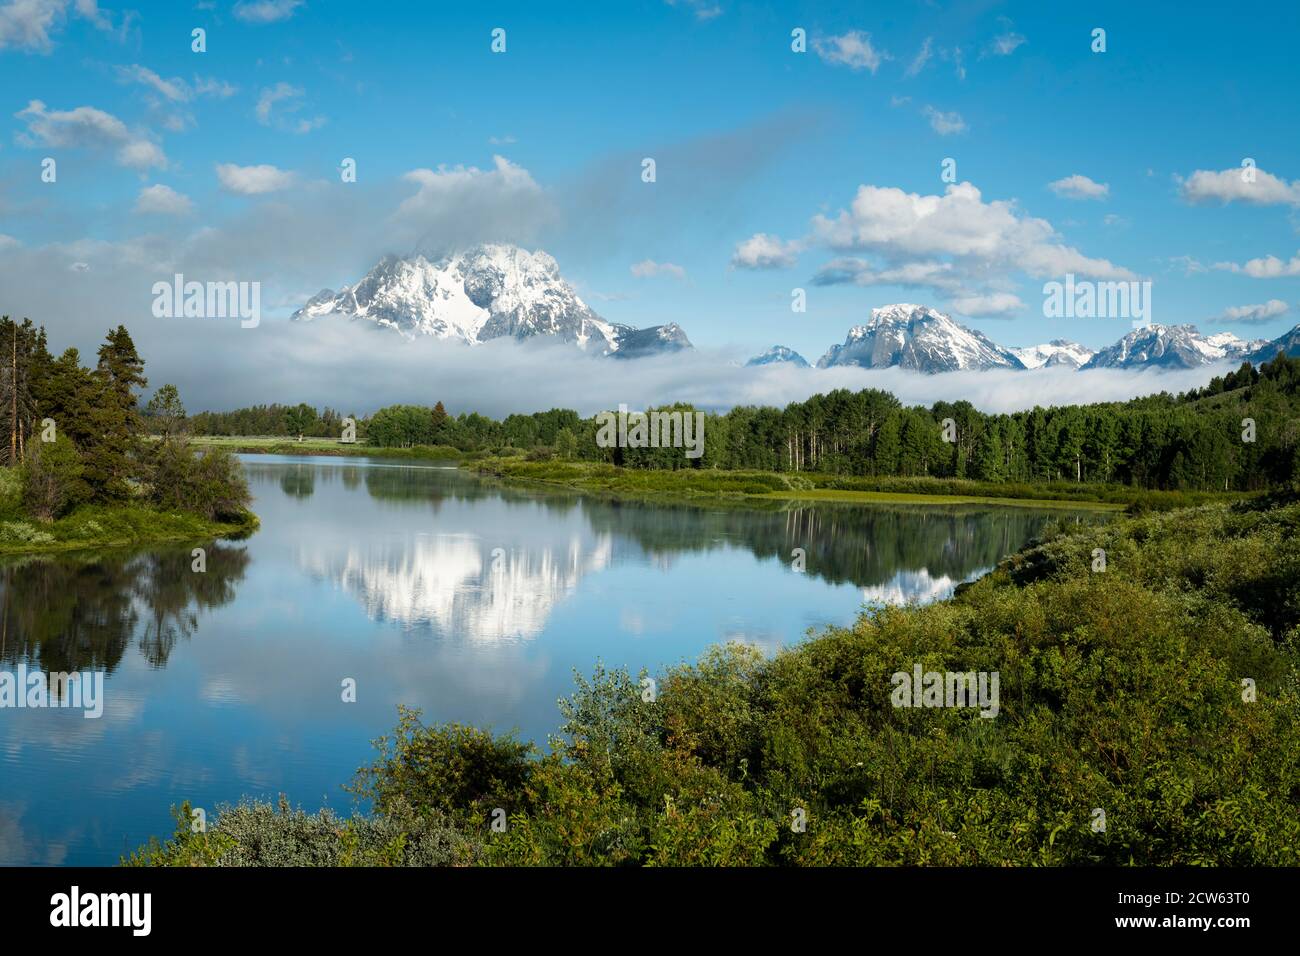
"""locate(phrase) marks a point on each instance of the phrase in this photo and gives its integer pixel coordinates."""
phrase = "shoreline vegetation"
(103, 527)
(79, 470)
(1234, 438)
(1160, 690)
(283, 445)
(593, 478)
(695, 484)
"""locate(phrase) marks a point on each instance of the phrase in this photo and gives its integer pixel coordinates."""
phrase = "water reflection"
(83, 611)
(431, 588)
(477, 562)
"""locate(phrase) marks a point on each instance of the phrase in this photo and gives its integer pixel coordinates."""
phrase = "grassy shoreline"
(689, 484)
(93, 527)
(590, 477)
(328, 447)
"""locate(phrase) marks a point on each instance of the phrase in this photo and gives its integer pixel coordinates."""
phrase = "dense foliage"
(271, 420)
(75, 436)
(1161, 691)
(1199, 441)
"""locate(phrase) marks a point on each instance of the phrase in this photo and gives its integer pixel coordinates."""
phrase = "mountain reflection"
(480, 563)
(83, 612)
(474, 562)
(452, 584)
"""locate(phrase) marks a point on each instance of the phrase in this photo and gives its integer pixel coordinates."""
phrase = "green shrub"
(209, 482)
(52, 479)
(262, 834)
(454, 769)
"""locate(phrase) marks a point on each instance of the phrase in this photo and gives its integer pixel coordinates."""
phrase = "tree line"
(1240, 432)
(75, 434)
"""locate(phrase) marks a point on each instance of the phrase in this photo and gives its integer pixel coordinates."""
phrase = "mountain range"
(922, 339)
(497, 290)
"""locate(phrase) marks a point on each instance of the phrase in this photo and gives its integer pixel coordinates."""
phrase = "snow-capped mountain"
(1058, 352)
(1171, 346)
(779, 354)
(635, 343)
(1288, 343)
(920, 338)
(487, 292)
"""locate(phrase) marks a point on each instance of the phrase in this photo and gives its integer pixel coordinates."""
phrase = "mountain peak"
(778, 355)
(906, 335)
(488, 291)
(1171, 346)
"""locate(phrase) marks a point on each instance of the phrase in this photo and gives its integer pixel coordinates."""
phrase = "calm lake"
(427, 586)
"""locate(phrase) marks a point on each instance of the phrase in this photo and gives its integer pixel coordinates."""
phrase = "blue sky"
(542, 144)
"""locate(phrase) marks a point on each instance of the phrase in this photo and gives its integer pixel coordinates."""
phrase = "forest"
(75, 436)
(1239, 433)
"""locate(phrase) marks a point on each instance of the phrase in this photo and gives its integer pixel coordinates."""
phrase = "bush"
(52, 479)
(454, 769)
(20, 532)
(262, 834)
(210, 483)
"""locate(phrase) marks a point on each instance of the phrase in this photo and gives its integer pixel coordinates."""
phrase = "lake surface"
(427, 586)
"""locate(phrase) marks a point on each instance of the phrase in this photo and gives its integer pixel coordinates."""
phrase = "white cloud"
(266, 11)
(8, 242)
(703, 9)
(211, 86)
(1266, 267)
(253, 180)
(289, 98)
(174, 89)
(164, 201)
(88, 128)
(1230, 185)
(1004, 45)
(1189, 264)
(648, 268)
(994, 303)
(1255, 313)
(31, 24)
(463, 204)
(958, 59)
(945, 123)
(928, 274)
(959, 223)
(853, 49)
(955, 244)
(27, 24)
(763, 251)
(1079, 187)
(921, 59)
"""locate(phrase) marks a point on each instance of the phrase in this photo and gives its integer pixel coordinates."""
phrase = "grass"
(103, 526)
(272, 445)
(595, 477)
(899, 497)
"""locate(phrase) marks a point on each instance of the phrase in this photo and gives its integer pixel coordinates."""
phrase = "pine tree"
(17, 408)
(114, 419)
